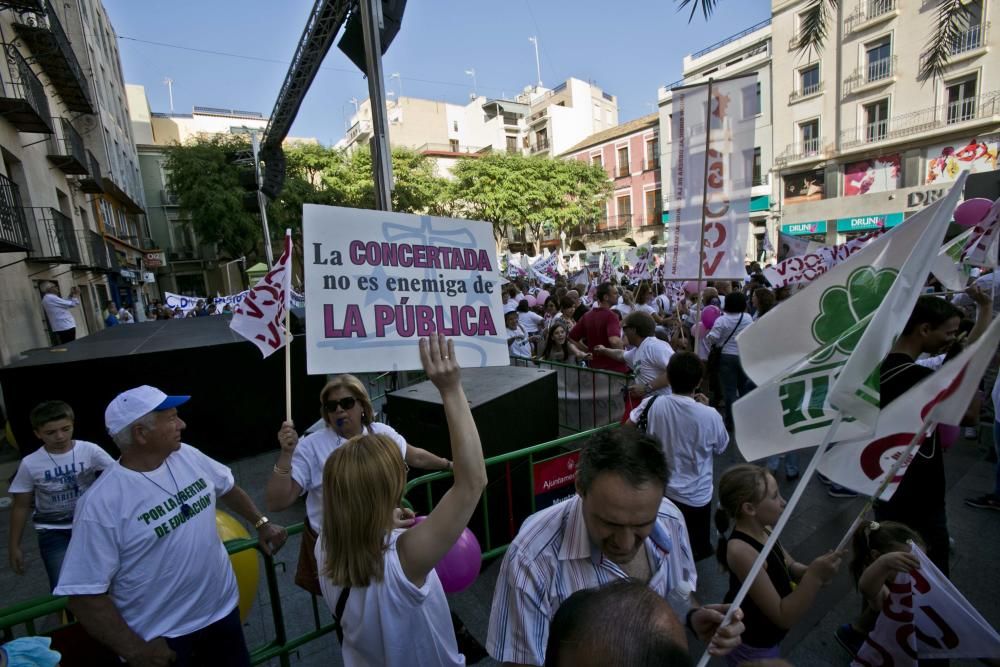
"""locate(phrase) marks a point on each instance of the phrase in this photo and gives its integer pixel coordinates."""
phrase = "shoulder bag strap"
(733, 332)
(338, 614)
(644, 417)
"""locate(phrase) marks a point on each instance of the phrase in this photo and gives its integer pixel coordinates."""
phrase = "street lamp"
(475, 88)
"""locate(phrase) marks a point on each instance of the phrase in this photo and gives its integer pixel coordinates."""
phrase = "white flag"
(822, 332)
(981, 247)
(949, 268)
(808, 266)
(641, 262)
(544, 269)
(924, 616)
(260, 317)
(944, 397)
(721, 131)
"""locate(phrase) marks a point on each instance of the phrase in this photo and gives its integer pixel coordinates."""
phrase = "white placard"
(376, 282)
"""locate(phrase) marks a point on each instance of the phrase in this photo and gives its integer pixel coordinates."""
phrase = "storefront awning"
(863, 223)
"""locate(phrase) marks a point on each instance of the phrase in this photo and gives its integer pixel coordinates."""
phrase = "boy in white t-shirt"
(52, 478)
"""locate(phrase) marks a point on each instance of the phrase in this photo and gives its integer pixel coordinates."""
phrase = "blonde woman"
(379, 580)
(347, 412)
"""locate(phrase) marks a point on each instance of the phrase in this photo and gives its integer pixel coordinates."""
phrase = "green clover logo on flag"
(844, 310)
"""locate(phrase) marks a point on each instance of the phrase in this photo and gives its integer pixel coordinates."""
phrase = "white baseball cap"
(136, 403)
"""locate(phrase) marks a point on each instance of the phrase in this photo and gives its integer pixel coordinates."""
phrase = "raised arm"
(281, 490)
(422, 546)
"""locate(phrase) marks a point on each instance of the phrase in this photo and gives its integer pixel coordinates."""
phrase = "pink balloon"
(694, 287)
(709, 315)
(530, 299)
(460, 566)
(948, 435)
(971, 211)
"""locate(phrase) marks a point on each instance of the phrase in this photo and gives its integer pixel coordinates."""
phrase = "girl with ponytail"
(785, 589)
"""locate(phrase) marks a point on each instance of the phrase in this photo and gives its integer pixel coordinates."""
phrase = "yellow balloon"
(10, 436)
(245, 563)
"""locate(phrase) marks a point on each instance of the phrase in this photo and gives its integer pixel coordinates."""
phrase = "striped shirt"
(552, 557)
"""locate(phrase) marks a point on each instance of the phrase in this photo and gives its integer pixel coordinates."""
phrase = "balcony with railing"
(983, 109)
(22, 96)
(53, 239)
(14, 235)
(804, 92)
(541, 145)
(969, 40)
(169, 198)
(451, 149)
(65, 149)
(359, 130)
(94, 253)
(44, 36)
(810, 149)
(870, 13)
(875, 73)
(92, 182)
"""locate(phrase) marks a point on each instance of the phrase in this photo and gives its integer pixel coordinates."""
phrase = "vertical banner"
(375, 282)
(721, 193)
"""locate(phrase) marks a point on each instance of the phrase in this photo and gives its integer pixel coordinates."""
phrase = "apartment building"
(539, 121)
(861, 142)
(747, 52)
(71, 210)
(630, 154)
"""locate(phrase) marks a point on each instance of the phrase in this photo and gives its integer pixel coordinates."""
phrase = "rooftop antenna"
(538, 65)
(169, 83)
(475, 87)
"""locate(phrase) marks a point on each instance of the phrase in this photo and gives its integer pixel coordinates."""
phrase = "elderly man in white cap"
(146, 572)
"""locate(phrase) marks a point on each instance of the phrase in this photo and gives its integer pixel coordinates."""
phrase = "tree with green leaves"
(417, 189)
(207, 185)
(530, 194)
(952, 20)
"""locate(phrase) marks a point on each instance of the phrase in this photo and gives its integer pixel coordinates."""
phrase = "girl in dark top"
(785, 589)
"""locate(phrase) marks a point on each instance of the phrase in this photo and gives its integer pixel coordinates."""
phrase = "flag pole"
(778, 527)
(289, 338)
(891, 475)
(704, 204)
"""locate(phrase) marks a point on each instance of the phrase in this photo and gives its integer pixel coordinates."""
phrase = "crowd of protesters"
(609, 572)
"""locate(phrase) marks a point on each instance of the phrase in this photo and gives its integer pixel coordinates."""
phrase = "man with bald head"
(624, 623)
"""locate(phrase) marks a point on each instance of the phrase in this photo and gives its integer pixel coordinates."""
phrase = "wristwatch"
(261, 521)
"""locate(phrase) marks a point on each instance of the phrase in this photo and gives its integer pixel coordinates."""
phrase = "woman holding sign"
(347, 412)
(378, 580)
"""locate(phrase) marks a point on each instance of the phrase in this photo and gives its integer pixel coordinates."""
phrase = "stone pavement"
(818, 524)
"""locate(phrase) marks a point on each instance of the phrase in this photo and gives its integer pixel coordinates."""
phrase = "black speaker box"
(514, 408)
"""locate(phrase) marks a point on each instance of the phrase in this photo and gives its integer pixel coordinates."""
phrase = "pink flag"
(260, 317)
(925, 616)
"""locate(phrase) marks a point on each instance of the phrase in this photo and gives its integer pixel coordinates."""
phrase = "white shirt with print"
(58, 481)
(168, 574)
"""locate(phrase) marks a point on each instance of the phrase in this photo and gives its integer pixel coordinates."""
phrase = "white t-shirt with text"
(310, 456)
(58, 481)
(168, 575)
(393, 622)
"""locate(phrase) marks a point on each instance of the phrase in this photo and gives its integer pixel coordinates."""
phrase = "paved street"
(817, 525)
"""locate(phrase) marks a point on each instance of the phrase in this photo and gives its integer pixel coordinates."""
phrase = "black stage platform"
(237, 398)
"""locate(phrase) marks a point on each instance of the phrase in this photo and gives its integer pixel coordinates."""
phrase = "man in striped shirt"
(618, 526)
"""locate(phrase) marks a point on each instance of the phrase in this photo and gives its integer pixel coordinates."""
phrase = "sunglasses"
(345, 403)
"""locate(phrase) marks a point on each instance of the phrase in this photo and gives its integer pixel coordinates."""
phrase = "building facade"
(71, 210)
(862, 143)
(747, 52)
(539, 121)
(630, 154)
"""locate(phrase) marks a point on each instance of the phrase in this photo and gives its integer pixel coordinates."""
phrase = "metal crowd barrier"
(588, 397)
(420, 494)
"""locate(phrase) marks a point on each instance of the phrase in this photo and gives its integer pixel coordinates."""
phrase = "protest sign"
(186, 303)
(375, 282)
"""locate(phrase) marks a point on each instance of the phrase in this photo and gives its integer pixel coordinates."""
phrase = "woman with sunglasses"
(347, 412)
(379, 581)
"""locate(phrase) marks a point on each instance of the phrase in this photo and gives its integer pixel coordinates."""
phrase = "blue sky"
(628, 48)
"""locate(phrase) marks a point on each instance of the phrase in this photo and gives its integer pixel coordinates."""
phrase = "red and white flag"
(981, 247)
(924, 616)
(943, 397)
(260, 317)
